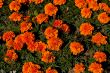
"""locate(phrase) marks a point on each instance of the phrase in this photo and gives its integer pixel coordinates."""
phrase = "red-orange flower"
(54, 44)
(57, 23)
(95, 68)
(86, 12)
(80, 3)
(10, 43)
(25, 26)
(22, 1)
(50, 9)
(86, 29)
(30, 67)
(94, 6)
(51, 32)
(76, 48)
(14, 6)
(79, 68)
(104, 7)
(99, 39)
(38, 1)
(15, 16)
(1, 3)
(47, 57)
(31, 46)
(51, 70)
(100, 56)
(103, 18)
(65, 28)
(41, 18)
(8, 35)
(10, 56)
(59, 2)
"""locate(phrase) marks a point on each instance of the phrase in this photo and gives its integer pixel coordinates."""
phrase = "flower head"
(65, 28)
(59, 2)
(57, 23)
(86, 12)
(38, 1)
(51, 70)
(80, 3)
(1, 3)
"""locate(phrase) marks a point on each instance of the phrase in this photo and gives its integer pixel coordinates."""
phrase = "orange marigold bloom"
(103, 18)
(8, 35)
(10, 43)
(86, 12)
(57, 23)
(1, 3)
(30, 67)
(91, 1)
(99, 39)
(14, 6)
(95, 68)
(47, 57)
(25, 26)
(94, 6)
(22, 1)
(65, 28)
(51, 70)
(31, 46)
(38, 1)
(40, 46)
(79, 68)
(51, 32)
(41, 18)
(86, 29)
(50, 9)
(15, 16)
(100, 56)
(104, 6)
(76, 48)
(80, 3)
(54, 44)
(59, 2)
(10, 56)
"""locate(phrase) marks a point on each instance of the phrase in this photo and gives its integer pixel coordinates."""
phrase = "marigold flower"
(65, 28)
(41, 18)
(86, 12)
(30, 67)
(38, 1)
(51, 70)
(95, 68)
(50, 9)
(76, 48)
(91, 1)
(31, 46)
(8, 35)
(10, 43)
(94, 6)
(15, 16)
(54, 44)
(1, 3)
(47, 57)
(59, 2)
(99, 39)
(50, 32)
(79, 68)
(80, 3)
(25, 26)
(57, 23)
(14, 6)
(86, 29)
(103, 18)
(104, 6)
(10, 56)
(22, 1)
(100, 56)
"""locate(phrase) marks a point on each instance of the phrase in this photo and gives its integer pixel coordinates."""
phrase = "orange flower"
(10, 56)
(54, 44)
(41, 18)
(95, 68)
(100, 56)
(65, 28)
(50, 9)
(26, 18)
(18, 43)
(104, 6)
(79, 68)
(91, 1)
(80, 3)
(30, 67)
(57, 23)
(8, 35)
(51, 70)
(103, 18)
(31, 47)
(50, 32)
(86, 29)
(86, 12)
(22, 1)
(25, 26)
(14, 6)
(40, 46)
(15, 16)
(99, 39)
(38, 1)
(59, 2)
(10, 43)
(1, 3)
(94, 6)
(76, 48)
(47, 57)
